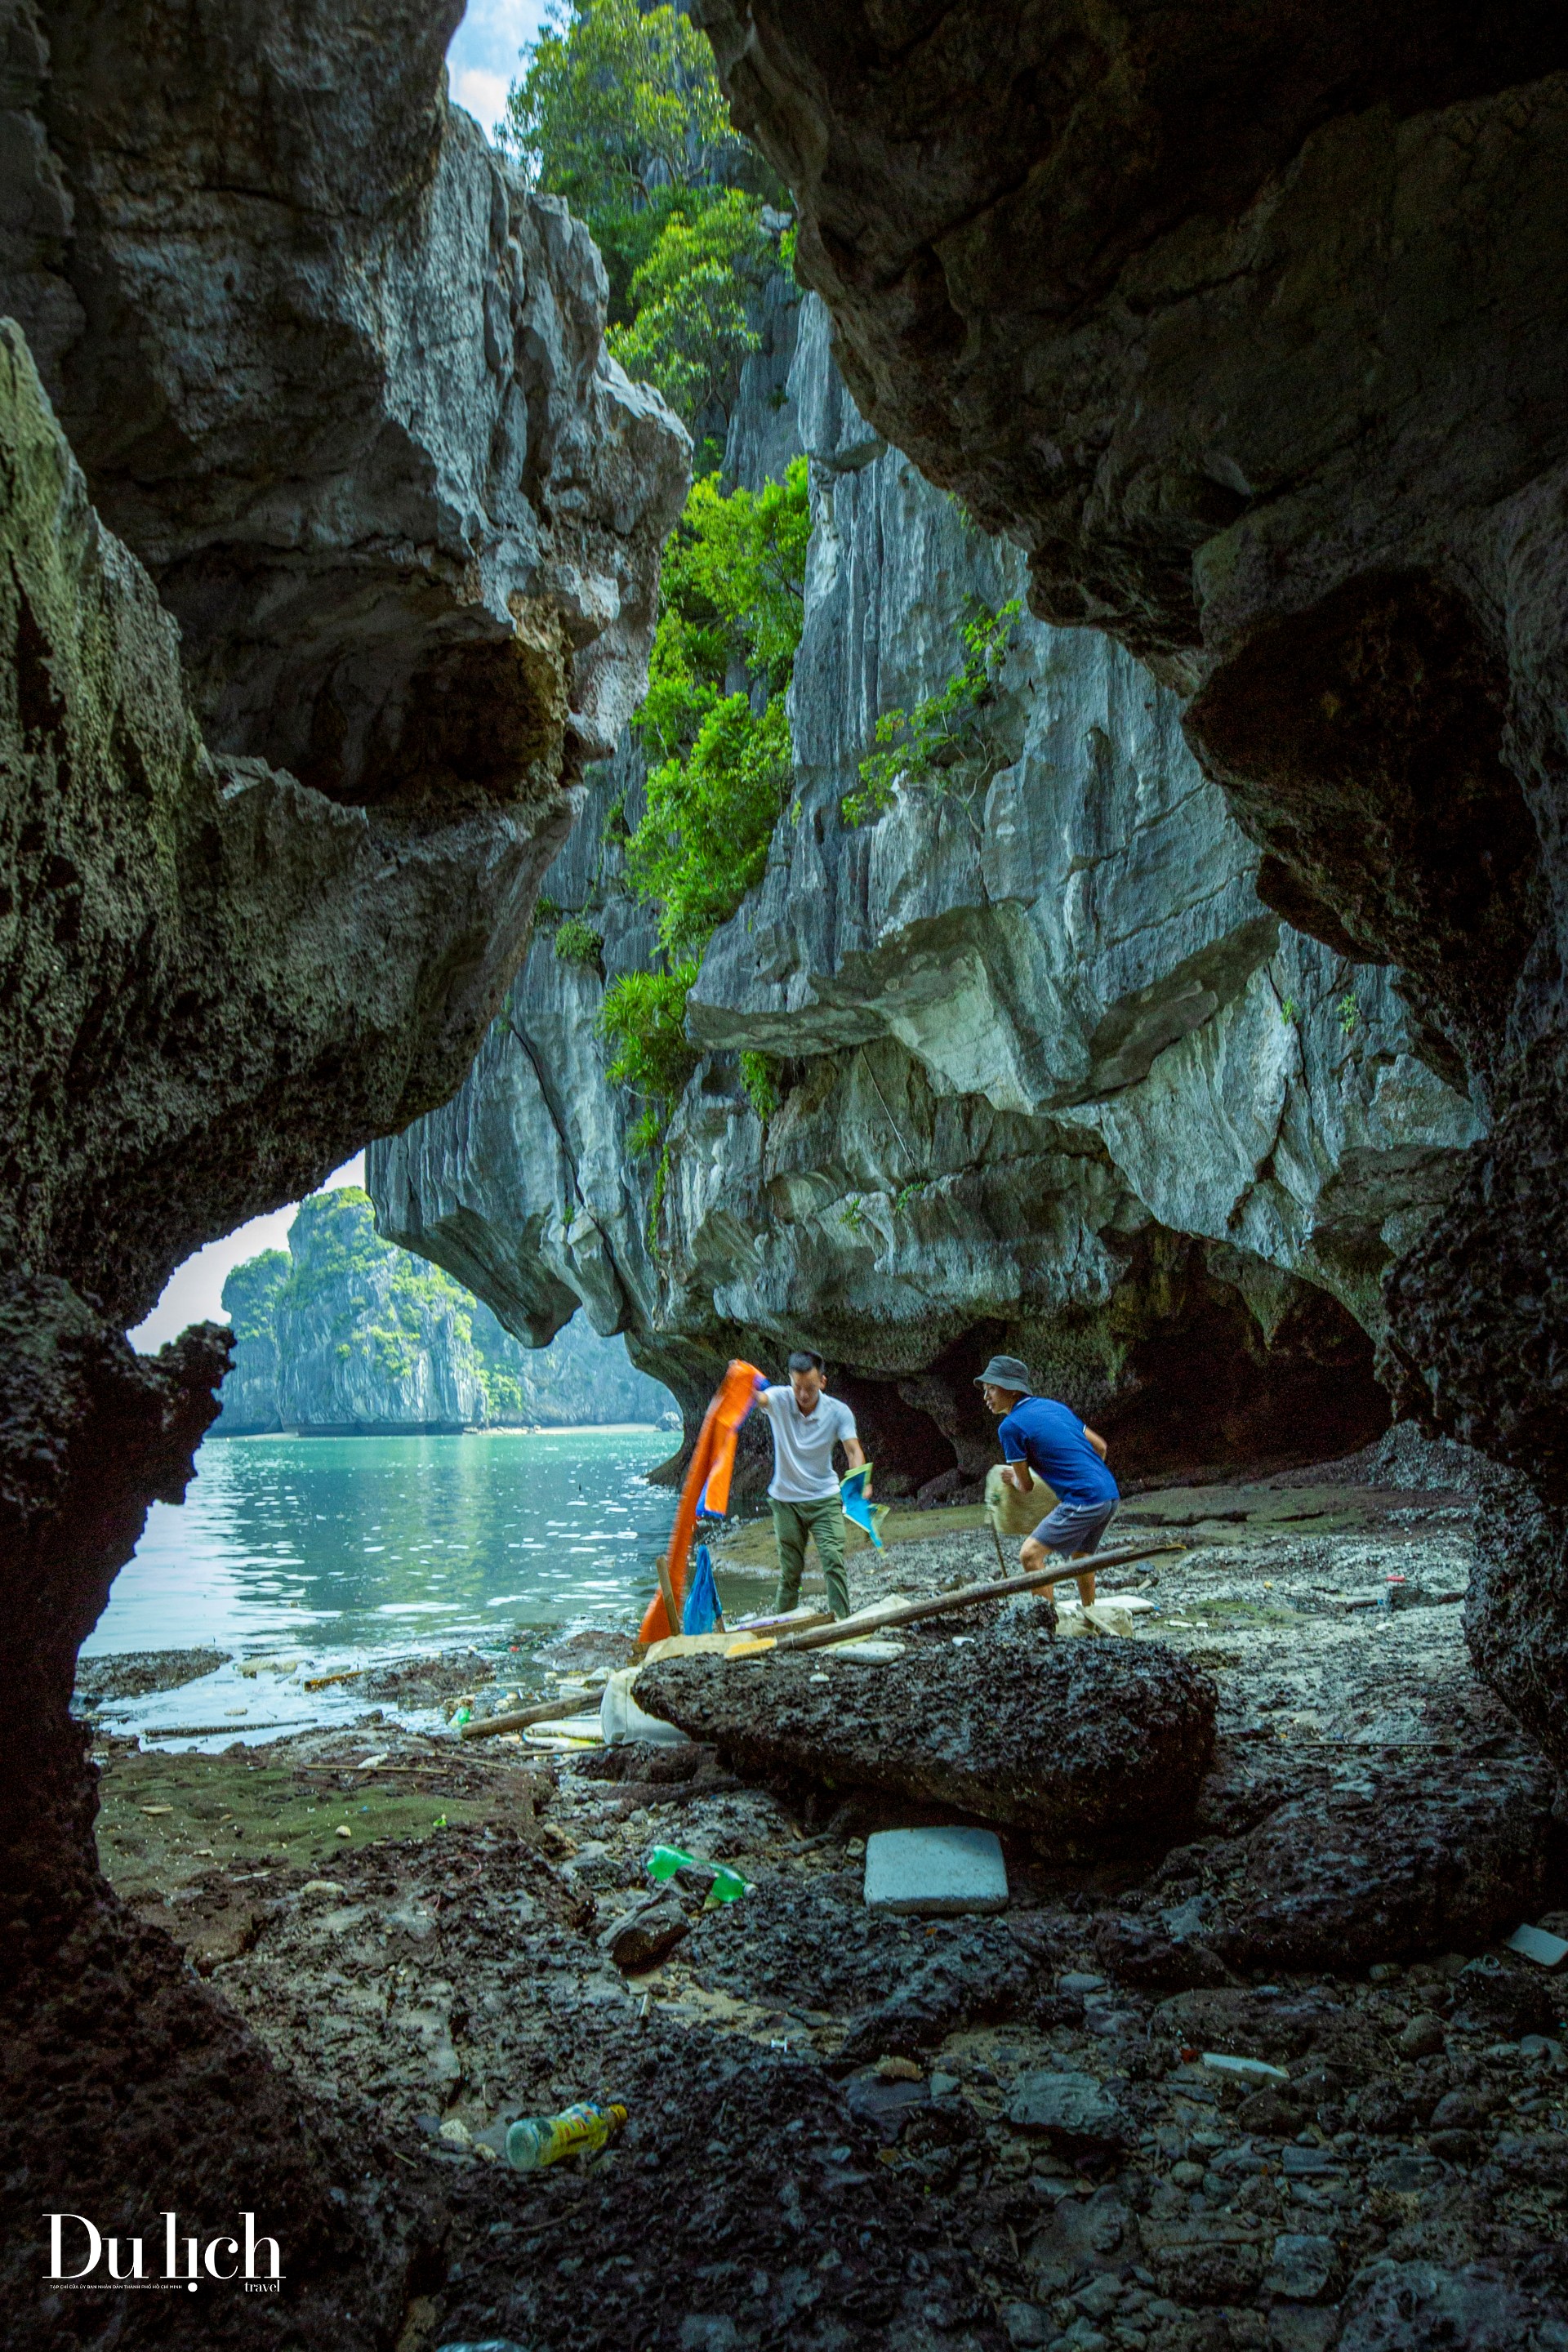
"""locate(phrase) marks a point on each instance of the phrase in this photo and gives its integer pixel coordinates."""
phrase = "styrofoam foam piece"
(622, 1719)
(1539, 1944)
(940, 1873)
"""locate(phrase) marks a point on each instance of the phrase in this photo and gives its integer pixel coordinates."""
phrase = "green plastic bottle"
(534, 2141)
(728, 1885)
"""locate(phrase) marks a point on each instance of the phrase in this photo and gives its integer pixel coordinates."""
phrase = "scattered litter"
(1540, 1944)
(569, 1731)
(621, 1719)
(157, 1808)
(1245, 2070)
(342, 1830)
(938, 1872)
(867, 1653)
(319, 1887)
(534, 2141)
(700, 1612)
(366, 1762)
(568, 1704)
(719, 1883)
(1099, 1617)
(797, 1621)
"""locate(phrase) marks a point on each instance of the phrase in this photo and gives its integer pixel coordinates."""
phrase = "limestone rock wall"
(281, 762)
(1252, 332)
(343, 1332)
(337, 378)
(1052, 1074)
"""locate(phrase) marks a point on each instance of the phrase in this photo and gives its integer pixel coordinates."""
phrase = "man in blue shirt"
(1060, 1449)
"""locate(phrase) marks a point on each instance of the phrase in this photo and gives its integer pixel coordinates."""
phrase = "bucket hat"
(1006, 1372)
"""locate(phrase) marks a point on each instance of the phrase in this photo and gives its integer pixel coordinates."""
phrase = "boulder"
(1446, 1853)
(643, 1936)
(1301, 2268)
(1394, 2307)
(1083, 1744)
(1072, 2112)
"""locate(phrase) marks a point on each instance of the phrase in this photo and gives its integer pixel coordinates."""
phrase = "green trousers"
(792, 1522)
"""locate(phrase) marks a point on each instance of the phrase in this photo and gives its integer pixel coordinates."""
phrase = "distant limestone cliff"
(343, 1332)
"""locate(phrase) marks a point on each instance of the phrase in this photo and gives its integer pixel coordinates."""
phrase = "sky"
(483, 59)
(194, 1292)
(483, 63)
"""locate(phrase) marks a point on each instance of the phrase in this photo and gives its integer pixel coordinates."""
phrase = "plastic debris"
(622, 1719)
(855, 1502)
(1245, 2070)
(724, 1886)
(700, 1612)
(534, 2141)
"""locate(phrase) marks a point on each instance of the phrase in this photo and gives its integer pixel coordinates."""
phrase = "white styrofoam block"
(940, 1872)
(1539, 1944)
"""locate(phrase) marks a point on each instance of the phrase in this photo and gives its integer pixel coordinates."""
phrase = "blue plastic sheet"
(856, 1505)
(701, 1612)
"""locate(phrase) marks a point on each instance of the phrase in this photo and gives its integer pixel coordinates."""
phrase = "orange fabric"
(713, 1460)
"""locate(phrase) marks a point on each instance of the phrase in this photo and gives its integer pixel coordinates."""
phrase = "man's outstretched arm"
(1096, 1440)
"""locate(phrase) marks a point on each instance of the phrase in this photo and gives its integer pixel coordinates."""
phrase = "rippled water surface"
(330, 1548)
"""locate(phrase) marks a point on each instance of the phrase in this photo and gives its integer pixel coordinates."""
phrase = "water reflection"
(363, 1543)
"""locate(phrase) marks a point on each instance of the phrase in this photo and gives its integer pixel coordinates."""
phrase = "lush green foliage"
(688, 330)
(620, 112)
(250, 1293)
(943, 742)
(577, 941)
(643, 1017)
(733, 592)
(617, 104)
(760, 1076)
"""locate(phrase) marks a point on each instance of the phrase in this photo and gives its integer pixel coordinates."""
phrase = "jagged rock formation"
(1055, 1077)
(338, 379)
(343, 1332)
(1254, 339)
(222, 976)
(1086, 1745)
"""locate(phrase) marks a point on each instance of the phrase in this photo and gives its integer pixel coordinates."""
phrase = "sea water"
(306, 1554)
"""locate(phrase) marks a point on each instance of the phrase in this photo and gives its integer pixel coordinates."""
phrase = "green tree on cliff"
(618, 105)
(733, 597)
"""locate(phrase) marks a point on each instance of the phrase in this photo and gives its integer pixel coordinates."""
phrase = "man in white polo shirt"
(804, 1489)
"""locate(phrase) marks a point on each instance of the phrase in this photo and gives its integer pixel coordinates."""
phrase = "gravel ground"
(968, 2133)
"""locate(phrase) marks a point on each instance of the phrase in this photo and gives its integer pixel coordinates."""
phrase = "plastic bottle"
(666, 1860)
(534, 2141)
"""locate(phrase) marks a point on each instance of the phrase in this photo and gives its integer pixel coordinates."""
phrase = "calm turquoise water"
(323, 1550)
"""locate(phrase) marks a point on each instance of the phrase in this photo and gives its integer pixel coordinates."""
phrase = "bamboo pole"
(968, 1596)
(550, 1710)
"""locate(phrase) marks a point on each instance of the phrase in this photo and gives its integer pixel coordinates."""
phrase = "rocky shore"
(847, 2127)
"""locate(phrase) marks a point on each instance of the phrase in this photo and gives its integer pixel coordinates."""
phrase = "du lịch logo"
(82, 2258)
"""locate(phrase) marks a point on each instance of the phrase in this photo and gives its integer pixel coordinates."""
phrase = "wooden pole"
(968, 1596)
(550, 1710)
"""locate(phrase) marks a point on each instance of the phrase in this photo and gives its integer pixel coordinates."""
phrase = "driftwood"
(550, 1710)
(967, 1596)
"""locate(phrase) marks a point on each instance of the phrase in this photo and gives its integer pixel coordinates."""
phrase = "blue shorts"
(1075, 1527)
